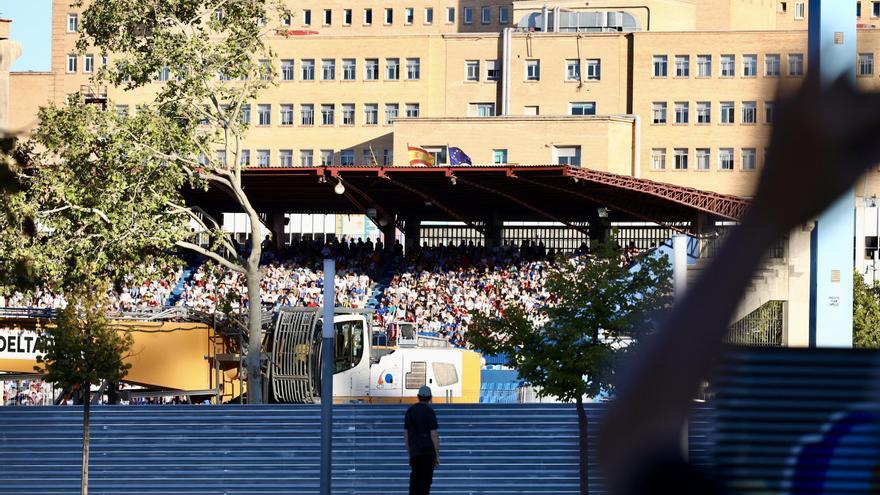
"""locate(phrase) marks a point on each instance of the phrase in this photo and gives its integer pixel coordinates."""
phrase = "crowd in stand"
(437, 288)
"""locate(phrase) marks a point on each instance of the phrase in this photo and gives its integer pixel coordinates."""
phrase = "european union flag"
(458, 157)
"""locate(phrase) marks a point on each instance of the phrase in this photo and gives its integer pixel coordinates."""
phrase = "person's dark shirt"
(420, 419)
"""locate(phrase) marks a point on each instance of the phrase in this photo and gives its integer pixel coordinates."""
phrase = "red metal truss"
(722, 205)
(434, 201)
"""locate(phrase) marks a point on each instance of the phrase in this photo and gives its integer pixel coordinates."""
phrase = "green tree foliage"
(866, 313)
(15, 222)
(83, 348)
(601, 308)
(217, 62)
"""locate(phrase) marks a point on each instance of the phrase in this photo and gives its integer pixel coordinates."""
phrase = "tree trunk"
(255, 310)
(87, 399)
(584, 447)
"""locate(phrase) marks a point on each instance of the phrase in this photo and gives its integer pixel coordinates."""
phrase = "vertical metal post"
(832, 47)
(327, 328)
(679, 285)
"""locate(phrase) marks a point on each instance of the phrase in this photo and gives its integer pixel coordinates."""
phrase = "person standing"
(422, 443)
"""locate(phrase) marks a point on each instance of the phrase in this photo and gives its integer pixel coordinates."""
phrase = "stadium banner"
(18, 344)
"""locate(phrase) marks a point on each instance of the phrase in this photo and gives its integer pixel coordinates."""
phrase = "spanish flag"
(418, 156)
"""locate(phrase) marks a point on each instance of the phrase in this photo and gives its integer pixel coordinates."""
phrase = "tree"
(214, 60)
(83, 348)
(568, 349)
(866, 313)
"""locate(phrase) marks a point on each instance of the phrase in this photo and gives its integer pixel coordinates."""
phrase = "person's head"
(424, 393)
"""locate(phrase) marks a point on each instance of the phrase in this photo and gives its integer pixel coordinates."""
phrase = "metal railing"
(760, 328)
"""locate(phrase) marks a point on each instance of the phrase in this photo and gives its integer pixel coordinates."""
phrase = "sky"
(32, 27)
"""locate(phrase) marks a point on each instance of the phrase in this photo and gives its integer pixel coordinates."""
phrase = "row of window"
(306, 158)
(327, 116)
(875, 9)
(725, 157)
(409, 16)
(727, 65)
(307, 69)
(727, 109)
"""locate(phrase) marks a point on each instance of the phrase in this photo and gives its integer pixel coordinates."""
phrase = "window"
(572, 70)
(202, 159)
(328, 69)
(371, 69)
(468, 15)
(486, 15)
(307, 158)
(799, 10)
(328, 17)
(499, 157)
(264, 114)
(533, 70)
(246, 115)
(71, 63)
(368, 17)
(265, 70)
(769, 110)
(659, 112)
(285, 158)
(307, 114)
(725, 158)
(703, 159)
(287, 20)
(348, 114)
(472, 70)
(286, 114)
(263, 159)
(749, 159)
(121, 110)
(413, 69)
(594, 69)
(749, 112)
(493, 70)
(346, 158)
(387, 157)
(392, 110)
(658, 158)
(682, 66)
(408, 15)
(728, 65)
(503, 15)
(660, 65)
(681, 159)
(783, 7)
(727, 112)
(858, 8)
(307, 17)
(308, 69)
(287, 70)
(429, 15)
(244, 158)
(327, 114)
(704, 65)
(583, 108)
(371, 114)
(866, 64)
(346, 17)
(531, 110)
(704, 112)
(349, 69)
(772, 63)
(104, 61)
(483, 109)
(392, 69)
(795, 64)
(72, 23)
(367, 157)
(568, 155)
(89, 66)
(682, 109)
(412, 110)
(750, 65)
(389, 16)
(450, 15)
(326, 157)
(875, 9)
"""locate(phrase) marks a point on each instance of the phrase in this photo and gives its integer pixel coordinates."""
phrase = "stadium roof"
(475, 193)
